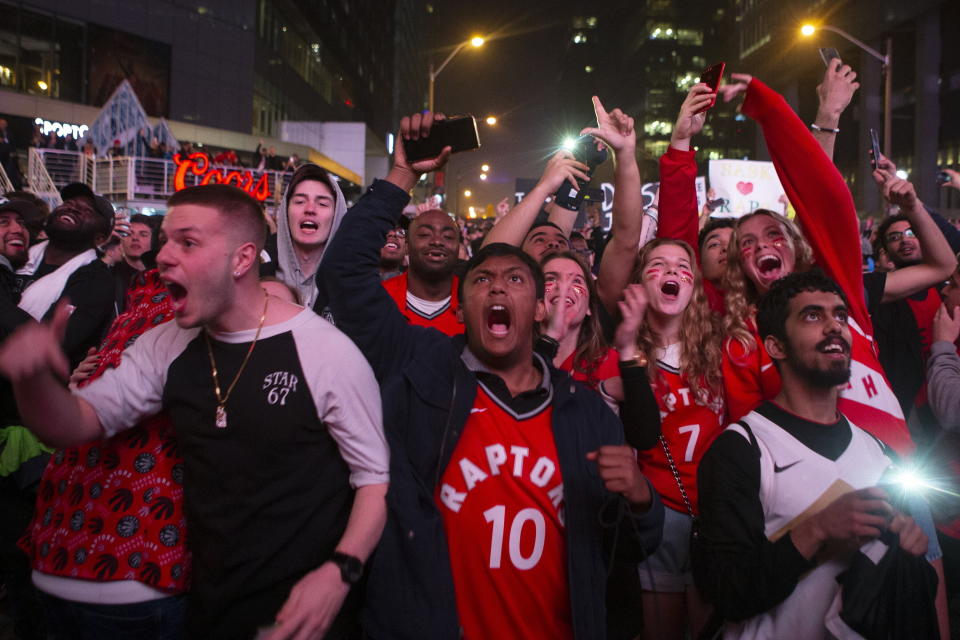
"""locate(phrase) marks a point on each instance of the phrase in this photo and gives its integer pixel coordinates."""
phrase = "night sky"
(513, 76)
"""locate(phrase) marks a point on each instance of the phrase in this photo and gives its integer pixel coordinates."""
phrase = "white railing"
(40, 181)
(126, 180)
(5, 184)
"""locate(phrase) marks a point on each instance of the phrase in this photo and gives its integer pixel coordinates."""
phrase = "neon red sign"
(199, 164)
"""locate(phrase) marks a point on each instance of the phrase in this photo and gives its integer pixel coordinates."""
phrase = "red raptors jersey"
(607, 368)
(689, 428)
(501, 500)
(444, 320)
(867, 400)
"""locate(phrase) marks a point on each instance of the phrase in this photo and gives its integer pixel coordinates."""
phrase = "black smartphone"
(711, 77)
(458, 133)
(584, 150)
(827, 54)
(943, 177)
(875, 147)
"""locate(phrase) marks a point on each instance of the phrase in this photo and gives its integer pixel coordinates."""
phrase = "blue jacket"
(427, 393)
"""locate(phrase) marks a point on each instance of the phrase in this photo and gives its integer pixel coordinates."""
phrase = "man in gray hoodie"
(309, 215)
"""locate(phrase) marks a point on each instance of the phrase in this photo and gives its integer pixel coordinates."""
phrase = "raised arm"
(34, 363)
(813, 185)
(679, 218)
(350, 268)
(616, 131)
(512, 228)
(834, 94)
(937, 258)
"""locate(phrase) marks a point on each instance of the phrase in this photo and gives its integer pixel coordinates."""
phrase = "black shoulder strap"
(752, 438)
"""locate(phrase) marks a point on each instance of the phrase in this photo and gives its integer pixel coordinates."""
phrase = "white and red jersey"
(689, 426)
(826, 211)
(501, 500)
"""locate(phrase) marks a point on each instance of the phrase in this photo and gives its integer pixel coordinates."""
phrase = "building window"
(690, 37)
(658, 128)
(662, 31)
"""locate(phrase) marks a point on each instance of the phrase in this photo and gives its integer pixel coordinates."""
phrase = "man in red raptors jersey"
(427, 293)
(503, 468)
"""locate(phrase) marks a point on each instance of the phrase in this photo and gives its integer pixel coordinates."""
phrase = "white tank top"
(796, 482)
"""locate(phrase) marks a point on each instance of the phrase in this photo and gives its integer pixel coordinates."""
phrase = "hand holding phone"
(459, 133)
(827, 54)
(874, 148)
(711, 77)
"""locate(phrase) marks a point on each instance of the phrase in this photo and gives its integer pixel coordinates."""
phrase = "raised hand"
(503, 207)
(837, 89)
(405, 173)
(615, 129)
(692, 116)
(633, 308)
(954, 179)
(896, 190)
(563, 167)
(34, 349)
(733, 89)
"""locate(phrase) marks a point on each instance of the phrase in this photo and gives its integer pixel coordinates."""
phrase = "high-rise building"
(925, 88)
(645, 56)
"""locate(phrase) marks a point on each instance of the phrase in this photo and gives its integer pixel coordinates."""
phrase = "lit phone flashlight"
(902, 484)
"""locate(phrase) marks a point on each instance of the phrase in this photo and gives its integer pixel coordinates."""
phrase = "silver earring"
(236, 274)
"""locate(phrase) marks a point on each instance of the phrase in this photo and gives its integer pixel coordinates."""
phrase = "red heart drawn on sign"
(745, 187)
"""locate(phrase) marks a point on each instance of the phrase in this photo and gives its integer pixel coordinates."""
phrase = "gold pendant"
(221, 417)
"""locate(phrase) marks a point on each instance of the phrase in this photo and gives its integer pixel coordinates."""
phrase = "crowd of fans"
(373, 424)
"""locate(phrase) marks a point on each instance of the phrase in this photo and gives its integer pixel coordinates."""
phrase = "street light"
(483, 176)
(467, 193)
(485, 168)
(885, 59)
(475, 42)
(491, 120)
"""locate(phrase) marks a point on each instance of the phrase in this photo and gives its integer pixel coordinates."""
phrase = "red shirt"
(501, 500)
(444, 320)
(689, 428)
(609, 367)
(113, 509)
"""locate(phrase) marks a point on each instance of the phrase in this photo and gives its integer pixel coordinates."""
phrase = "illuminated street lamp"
(483, 176)
(476, 42)
(485, 168)
(886, 60)
(491, 120)
(467, 193)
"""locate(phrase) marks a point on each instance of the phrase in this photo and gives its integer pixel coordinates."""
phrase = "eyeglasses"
(897, 236)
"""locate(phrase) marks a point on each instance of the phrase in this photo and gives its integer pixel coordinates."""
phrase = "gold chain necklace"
(222, 401)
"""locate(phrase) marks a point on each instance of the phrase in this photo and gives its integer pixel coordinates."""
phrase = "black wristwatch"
(350, 567)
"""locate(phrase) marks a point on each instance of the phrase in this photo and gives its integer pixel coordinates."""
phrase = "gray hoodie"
(288, 265)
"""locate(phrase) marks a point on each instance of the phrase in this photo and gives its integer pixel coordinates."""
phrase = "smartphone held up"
(711, 77)
(459, 133)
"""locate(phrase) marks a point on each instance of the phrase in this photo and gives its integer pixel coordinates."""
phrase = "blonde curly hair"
(700, 336)
(740, 292)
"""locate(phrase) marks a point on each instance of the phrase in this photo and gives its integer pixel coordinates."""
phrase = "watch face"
(351, 569)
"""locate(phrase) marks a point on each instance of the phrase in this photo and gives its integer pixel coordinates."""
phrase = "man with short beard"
(394, 251)
(427, 293)
(13, 255)
(66, 266)
(788, 494)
